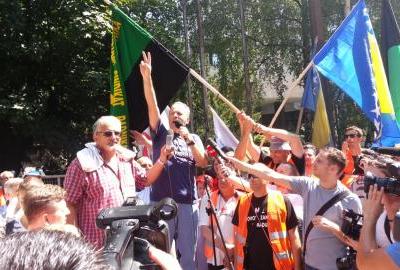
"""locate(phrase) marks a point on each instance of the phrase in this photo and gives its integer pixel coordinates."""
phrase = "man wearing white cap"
(284, 146)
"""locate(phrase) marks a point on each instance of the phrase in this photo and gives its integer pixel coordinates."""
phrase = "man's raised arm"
(246, 141)
(263, 172)
(149, 93)
(293, 139)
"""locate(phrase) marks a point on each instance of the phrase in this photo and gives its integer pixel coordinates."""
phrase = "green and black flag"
(127, 97)
(390, 47)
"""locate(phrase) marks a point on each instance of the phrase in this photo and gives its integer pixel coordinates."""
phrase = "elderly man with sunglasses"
(104, 175)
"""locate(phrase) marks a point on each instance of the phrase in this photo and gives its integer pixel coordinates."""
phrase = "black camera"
(131, 229)
(347, 262)
(390, 185)
(352, 223)
(351, 226)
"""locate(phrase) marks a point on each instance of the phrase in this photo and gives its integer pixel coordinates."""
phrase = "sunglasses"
(109, 133)
(251, 176)
(351, 136)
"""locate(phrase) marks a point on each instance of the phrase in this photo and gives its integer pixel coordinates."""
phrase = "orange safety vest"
(277, 231)
(2, 197)
(273, 166)
(208, 250)
(348, 179)
(349, 169)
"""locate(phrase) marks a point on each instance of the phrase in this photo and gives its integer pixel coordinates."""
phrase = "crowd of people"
(285, 206)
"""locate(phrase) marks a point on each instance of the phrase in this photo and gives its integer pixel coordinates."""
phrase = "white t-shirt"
(380, 234)
(224, 211)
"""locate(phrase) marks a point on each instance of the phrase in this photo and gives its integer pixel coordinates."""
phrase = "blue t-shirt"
(394, 252)
(177, 180)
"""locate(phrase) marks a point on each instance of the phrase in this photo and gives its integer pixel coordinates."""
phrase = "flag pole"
(108, 2)
(289, 92)
(299, 120)
(294, 84)
(215, 91)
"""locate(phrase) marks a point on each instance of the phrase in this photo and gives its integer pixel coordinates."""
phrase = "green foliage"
(54, 56)
(55, 62)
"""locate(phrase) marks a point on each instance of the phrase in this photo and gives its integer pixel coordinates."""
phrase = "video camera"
(130, 230)
(390, 185)
(351, 226)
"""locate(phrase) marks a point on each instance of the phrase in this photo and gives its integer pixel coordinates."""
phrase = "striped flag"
(390, 48)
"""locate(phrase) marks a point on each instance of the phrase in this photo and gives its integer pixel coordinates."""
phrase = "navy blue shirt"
(177, 179)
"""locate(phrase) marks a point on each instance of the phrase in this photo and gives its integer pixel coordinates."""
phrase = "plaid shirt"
(93, 191)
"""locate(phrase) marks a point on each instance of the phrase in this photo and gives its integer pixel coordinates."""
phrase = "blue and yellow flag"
(351, 59)
(313, 99)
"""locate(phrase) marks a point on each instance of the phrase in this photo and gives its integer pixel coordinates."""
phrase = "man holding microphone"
(177, 180)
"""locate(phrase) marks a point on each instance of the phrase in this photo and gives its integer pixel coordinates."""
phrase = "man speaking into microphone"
(177, 180)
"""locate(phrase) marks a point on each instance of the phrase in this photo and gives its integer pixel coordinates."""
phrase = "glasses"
(252, 176)
(351, 136)
(109, 133)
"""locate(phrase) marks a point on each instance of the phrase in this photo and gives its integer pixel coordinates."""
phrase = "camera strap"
(338, 197)
(387, 229)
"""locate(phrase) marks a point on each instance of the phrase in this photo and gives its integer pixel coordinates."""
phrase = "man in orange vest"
(266, 235)
(284, 146)
(224, 201)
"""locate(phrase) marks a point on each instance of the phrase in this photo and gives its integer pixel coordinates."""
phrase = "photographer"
(369, 255)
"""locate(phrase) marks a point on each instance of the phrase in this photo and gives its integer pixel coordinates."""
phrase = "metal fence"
(54, 179)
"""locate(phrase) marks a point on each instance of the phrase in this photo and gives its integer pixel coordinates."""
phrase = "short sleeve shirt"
(91, 192)
(394, 252)
(322, 247)
(224, 211)
(177, 180)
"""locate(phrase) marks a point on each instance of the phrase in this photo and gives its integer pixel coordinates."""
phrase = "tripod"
(213, 218)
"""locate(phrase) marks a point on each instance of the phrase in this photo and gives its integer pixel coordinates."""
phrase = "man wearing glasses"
(351, 147)
(104, 175)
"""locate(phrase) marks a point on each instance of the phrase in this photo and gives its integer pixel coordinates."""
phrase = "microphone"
(169, 139)
(218, 152)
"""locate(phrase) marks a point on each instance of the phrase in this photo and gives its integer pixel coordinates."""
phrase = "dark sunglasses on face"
(251, 176)
(351, 136)
(109, 133)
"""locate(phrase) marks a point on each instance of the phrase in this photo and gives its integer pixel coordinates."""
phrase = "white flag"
(223, 136)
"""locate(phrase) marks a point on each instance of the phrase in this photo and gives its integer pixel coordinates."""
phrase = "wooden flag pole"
(215, 91)
(299, 120)
(289, 92)
(294, 84)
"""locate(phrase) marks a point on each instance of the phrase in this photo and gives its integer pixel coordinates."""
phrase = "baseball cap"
(279, 144)
(33, 172)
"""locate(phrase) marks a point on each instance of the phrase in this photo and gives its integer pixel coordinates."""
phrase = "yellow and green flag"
(390, 48)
